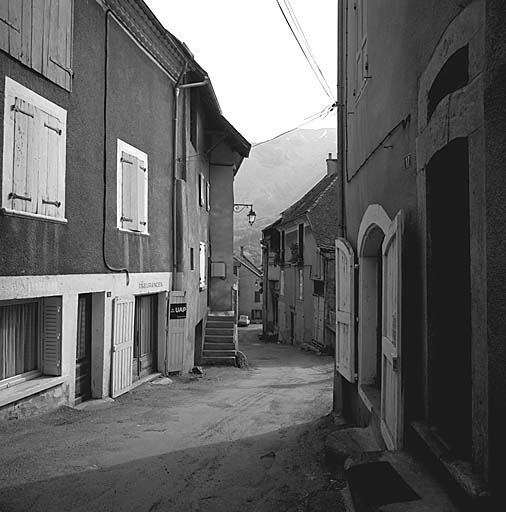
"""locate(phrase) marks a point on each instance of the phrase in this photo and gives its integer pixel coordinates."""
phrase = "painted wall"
(47, 248)
(248, 285)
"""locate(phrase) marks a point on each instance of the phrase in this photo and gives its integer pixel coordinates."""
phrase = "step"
(219, 346)
(218, 339)
(219, 353)
(224, 319)
(219, 361)
(215, 324)
(219, 331)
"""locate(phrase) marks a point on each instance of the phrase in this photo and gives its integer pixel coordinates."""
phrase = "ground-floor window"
(256, 314)
(30, 339)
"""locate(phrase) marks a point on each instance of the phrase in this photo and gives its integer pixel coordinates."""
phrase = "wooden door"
(391, 371)
(122, 345)
(145, 331)
(345, 310)
(83, 348)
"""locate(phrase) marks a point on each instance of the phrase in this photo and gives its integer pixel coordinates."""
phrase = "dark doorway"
(199, 341)
(83, 348)
(145, 327)
(448, 296)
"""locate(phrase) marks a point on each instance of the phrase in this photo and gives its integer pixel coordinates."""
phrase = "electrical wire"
(304, 39)
(309, 58)
(322, 114)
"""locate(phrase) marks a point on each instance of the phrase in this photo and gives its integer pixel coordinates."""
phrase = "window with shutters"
(203, 265)
(361, 55)
(33, 176)
(132, 190)
(39, 34)
(30, 339)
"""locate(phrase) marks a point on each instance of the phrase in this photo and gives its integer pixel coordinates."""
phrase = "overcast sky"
(262, 80)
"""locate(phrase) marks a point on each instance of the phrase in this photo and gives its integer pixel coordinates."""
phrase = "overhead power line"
(322, 114)
(302, 41)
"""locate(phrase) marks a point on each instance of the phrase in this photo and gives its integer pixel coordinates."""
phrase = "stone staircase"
(220, 339)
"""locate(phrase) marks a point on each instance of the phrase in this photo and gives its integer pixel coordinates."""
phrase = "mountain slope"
(276, 175)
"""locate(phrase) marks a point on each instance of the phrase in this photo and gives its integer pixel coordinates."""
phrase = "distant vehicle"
(243, 321)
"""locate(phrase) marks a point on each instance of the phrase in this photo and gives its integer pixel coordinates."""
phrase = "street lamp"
(239, 207)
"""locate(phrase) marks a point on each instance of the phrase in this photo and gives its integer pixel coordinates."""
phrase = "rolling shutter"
(345, 310)
(51, 336)
(122, 345)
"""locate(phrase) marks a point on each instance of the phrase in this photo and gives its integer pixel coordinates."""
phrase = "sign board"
(178, 311)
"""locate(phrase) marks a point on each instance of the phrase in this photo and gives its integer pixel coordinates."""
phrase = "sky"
(263, 83)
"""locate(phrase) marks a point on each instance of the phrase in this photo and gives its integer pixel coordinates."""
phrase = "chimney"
(332, 166)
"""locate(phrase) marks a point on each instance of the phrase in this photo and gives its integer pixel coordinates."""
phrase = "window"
(256, 314)
(30, 339)
(257, 297)
(203, 265)
(361, 56)
(39, 34)
(192, 261)
(132, 191)
(33, 179)
(282, 256)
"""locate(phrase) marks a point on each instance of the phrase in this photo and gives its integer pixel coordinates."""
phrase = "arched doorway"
(379, 328)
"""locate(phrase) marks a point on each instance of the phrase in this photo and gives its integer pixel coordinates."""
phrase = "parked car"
(243, 321)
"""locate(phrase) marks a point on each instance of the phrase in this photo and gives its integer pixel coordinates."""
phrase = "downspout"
(342, 81)
(175, 173)
(104, 212)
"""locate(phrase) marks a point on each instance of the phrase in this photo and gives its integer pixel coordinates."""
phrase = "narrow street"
(230, 440)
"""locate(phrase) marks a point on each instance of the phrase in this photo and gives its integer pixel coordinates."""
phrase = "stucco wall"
(134, 116)
(247, 289)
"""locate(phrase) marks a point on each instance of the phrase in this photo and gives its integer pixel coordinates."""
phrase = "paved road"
(232, 440)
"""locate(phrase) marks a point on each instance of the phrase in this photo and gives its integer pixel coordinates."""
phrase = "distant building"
(298, 251)
(250, 287)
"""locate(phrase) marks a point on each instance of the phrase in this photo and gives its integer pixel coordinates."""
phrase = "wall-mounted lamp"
(239, 207)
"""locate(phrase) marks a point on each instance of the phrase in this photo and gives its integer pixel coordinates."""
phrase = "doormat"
(378, 483)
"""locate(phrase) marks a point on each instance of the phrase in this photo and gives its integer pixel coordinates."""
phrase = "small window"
(132, 192)
(301, 243)
(282, 283)
(256, 314)
(258, 297)
(318, 288)
(192, 261)
(453, 76)
(203, 265)
(30, 341)
(33, 178)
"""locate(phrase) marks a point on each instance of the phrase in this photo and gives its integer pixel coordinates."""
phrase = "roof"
(243, 260)
(174, 56)
(320, 206)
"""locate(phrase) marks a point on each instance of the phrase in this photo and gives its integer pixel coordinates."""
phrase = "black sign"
(177, 311)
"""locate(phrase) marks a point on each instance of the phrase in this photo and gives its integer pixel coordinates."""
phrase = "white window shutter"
(24, 190)
(203, 264)
(122, 345)
(208, 196)
(10, 27)
(129, 198)
(202, 190)
(142, 191)
(51, 167)
(51, 335)
(58, 59)
(345, 309)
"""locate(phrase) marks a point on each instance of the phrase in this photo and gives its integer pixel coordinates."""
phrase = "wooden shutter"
(58, 27)
(208, 196)
(345, 309)
(122, 345)
(129, 197)
(23, 195)
(203, 264)
(142, 194)
(51, 336)
(202, 190)
(391, 377)
(51, 167)
(11, 15)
